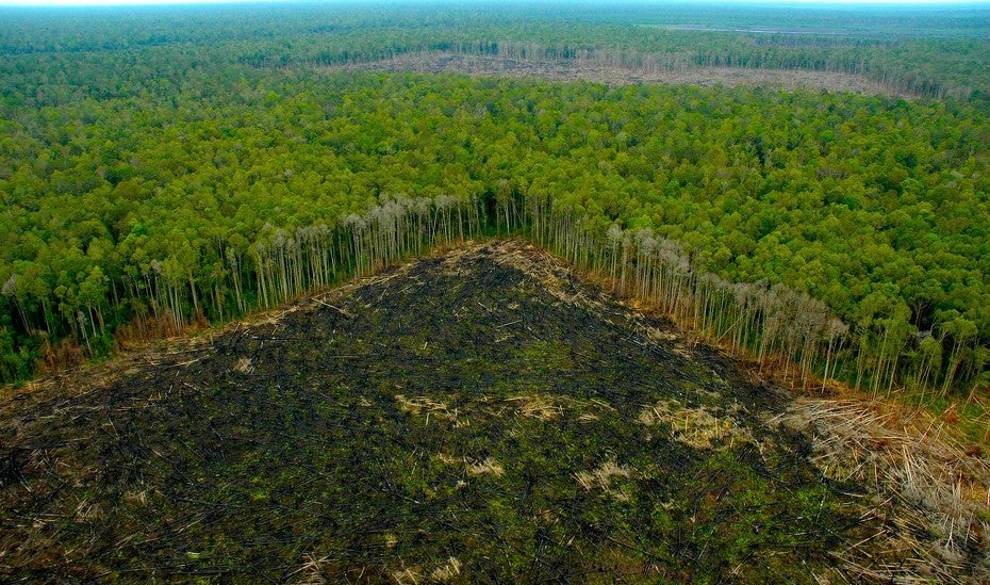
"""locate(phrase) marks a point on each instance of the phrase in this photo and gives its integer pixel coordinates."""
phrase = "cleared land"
(480, 416)
(575, 70)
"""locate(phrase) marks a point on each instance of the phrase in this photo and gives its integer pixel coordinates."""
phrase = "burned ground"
(480, 416)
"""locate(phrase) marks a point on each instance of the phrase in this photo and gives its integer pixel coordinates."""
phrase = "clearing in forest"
(618, 75)
(479, 416)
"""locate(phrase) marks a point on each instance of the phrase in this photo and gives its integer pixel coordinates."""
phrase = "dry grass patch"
(601, 478)
(447, 459)
(695, 426)
(487, 466)
(311, 571)
(447, 571)
(418, 405)
(244, 366)
(408, 576)
(539, 265)
(539, 406)
(551, 407)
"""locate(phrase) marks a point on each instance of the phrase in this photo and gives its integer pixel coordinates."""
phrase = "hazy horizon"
(888, 4)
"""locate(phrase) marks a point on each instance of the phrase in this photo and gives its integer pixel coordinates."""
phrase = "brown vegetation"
(619, 74)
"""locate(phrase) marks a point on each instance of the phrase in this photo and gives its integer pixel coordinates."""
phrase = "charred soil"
(479, 416)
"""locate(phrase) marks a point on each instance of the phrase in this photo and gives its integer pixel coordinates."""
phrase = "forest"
(528, 292)
(109, 53)
(168, 168)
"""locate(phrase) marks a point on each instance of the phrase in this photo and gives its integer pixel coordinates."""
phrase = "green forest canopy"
(143, 143)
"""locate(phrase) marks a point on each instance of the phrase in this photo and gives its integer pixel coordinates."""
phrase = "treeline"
(920, 71)
(770, 323)
(67, 56)
(163, 297)
(778, 327)
(905, 81)
(932, 68)
(134, 216)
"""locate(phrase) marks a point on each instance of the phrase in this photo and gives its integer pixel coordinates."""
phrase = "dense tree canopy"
(170, 176)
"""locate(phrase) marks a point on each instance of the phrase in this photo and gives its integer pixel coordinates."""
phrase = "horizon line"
(797, 4)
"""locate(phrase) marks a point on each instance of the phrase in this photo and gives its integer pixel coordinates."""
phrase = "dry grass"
(311, 571)
(408, 576)
(601, 478)
(244, 366)
(932, 497)
(541, 266)
(539, 406)
(695, 426)
(473, 467)
(419, 405)
(447, 571)
(549, 407)
(487, 466)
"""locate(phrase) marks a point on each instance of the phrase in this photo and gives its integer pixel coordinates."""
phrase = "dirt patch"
(580, 70)
(465, 418)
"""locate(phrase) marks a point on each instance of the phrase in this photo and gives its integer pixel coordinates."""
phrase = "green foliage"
(59, 56)
(152, 170)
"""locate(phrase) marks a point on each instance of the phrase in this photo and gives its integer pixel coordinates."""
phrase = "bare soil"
(479, 416)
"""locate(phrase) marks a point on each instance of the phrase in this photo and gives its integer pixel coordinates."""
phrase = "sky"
(730, 2)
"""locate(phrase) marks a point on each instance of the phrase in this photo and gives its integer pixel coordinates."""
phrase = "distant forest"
(109, 52)
(161, 167)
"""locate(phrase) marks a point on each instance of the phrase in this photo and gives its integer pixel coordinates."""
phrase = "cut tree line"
(770, 323)
(773, 324)
(773, 57)
(55, 58)
(175, 167)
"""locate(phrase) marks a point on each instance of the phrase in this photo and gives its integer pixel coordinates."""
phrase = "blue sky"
(724, 2)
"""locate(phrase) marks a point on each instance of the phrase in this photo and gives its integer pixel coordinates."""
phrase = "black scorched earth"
(480, 416)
